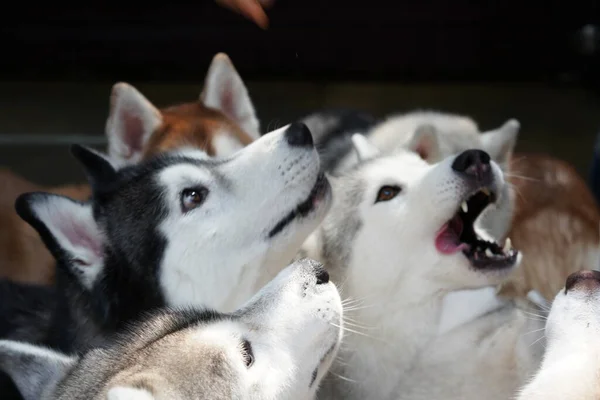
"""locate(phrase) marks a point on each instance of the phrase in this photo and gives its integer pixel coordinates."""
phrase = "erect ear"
(500, 143)
(131, 121)
(68, 229)
(128, 393)
(364, 149)
(425, 143)
(35, 370)
(99, 169)
(225, 91)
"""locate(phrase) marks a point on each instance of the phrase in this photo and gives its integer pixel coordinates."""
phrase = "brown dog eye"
(192, 198)
(247, 353)
(387, 193)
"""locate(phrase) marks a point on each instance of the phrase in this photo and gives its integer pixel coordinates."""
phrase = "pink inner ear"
(227, 101)
(134, 132)
(422, 152)
(80, 234)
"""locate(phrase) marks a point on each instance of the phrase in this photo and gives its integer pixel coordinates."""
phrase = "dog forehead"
(185, 173)
(403, 166)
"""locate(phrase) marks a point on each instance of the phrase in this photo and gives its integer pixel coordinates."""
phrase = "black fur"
(71, 317)
(332, 130)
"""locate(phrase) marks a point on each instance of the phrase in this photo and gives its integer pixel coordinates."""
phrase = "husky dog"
(571, 364)
(277, 346)
(220, 122)
(179, 229)
(399, 237)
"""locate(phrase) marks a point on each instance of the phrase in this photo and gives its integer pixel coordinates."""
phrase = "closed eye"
(247, 353)
(387, 193)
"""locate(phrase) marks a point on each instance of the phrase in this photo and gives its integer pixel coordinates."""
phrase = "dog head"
(195, 229)
(413, 222)
(572, 361)
(278, 346)
(221, 122)
(436, 136)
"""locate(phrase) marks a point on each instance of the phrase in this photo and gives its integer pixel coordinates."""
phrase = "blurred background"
(535, 61)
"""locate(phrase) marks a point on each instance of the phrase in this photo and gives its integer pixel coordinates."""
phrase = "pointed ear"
(500, 143)
(68, 229)
(131, 121)
(128, 393)
(35, 370)
(99, 169)
(364, 149)
(425, 143)
(225, 91)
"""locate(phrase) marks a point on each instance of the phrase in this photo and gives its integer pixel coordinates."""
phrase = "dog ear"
(425, 143)
(500, 142)
(34, 369)
(225, 91)
(99, 169)
(128, 393)
(69, 231)
(131, 121)
(364, 149)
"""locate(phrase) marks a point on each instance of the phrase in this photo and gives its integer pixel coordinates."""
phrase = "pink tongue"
(447, 240)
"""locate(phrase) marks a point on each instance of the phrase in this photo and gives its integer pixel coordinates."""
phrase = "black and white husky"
(277, 346)
(180, 229)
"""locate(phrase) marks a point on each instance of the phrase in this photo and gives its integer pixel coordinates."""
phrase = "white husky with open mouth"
(399, 237)
(571, 366)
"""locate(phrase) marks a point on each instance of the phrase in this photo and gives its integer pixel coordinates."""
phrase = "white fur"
(400, 282)
(220, 254)
(225, 91)
(131, 122)
(294, 326)
(571, 365)
(223, 144)
(128, 393)
(73, 226)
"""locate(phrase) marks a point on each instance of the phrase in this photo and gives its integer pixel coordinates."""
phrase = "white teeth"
(464, 207)
(486, 191)
(507, 246)
(489, 253)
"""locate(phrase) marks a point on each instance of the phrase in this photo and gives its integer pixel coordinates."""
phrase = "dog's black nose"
(475, 164)
(298, 134)
(322, 276)
(583, 279)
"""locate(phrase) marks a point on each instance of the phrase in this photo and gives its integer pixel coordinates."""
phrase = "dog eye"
(247, 353)
(387, 193)
(192, 198)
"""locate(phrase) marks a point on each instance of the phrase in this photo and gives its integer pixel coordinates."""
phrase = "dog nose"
(475, 164)
(322, 276)
(583, 279)
(298, 134)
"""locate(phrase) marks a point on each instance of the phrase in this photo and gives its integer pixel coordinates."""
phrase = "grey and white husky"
(279, 345)
(399, 237)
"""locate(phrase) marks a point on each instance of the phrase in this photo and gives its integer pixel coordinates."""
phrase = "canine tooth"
(507, 246)
(464, 207)
(489, 253)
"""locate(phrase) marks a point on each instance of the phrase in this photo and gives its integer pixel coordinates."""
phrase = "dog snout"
(583, 280)
(298, 135)
(322, 276)
(474, 164)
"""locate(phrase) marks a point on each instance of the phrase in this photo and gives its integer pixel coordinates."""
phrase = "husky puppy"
(277, 346)
(179, 229)
(571, 364)
(400, 236)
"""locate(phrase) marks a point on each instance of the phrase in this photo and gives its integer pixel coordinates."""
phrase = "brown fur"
(23, 256)
(555, 224)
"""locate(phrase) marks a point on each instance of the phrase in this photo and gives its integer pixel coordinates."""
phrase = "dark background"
(491, 60)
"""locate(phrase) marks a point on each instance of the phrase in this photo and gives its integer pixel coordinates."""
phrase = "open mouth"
(459, 234)
(317, 193)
